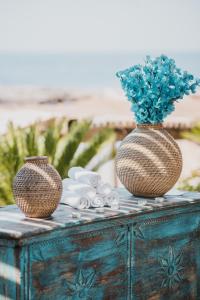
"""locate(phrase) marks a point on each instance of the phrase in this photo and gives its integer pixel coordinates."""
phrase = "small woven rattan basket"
(149, 161)
(37, 188)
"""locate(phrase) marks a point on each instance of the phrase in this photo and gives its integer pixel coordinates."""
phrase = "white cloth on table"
(112, 199)
(78, 187)
(85, 176)
(104, 189)
(85, 189)
(97, 201)
(75, 200)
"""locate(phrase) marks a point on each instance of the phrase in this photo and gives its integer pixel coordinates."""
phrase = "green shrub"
(56, 140)
(192, 183)
(193, 134)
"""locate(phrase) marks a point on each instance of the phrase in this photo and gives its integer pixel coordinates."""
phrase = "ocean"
(85, 71)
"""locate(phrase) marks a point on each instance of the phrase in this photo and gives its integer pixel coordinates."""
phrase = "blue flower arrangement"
(153, 88)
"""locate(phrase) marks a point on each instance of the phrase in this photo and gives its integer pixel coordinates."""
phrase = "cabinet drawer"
(81, 266)
(166, 257)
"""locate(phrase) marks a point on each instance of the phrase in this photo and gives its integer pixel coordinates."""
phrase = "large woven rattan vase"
(148, 161)
(37, 188)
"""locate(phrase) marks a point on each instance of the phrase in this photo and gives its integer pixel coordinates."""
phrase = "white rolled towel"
(78, 187)
(112, 199)
(104, 189)
(75, 200)
(97, 201)
(85, 176)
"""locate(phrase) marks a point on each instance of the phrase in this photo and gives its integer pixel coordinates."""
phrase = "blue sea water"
(86, 70)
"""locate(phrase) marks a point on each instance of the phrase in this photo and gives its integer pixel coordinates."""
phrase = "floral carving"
(171, 268)
(137, 231)
(120, 239)
(82, 284)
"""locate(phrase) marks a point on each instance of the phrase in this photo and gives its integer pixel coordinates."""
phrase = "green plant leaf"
(193, 134)
(50, 138)
(94, 145)
(69, 145)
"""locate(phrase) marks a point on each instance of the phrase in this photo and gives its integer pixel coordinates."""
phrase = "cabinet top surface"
(14, 225)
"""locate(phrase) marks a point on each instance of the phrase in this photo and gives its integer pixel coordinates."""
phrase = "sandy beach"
(24, 105)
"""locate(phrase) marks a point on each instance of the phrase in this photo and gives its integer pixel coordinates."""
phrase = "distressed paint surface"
(148, 252)
(164, 264)
(9, 274)
(83, 266)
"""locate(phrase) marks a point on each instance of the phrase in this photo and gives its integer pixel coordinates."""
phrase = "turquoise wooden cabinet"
(140, 252)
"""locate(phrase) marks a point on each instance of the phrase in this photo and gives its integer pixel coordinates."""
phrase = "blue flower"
(153, 88)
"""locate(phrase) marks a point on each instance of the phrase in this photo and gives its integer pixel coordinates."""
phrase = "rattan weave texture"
(37, 188)
(149, 161)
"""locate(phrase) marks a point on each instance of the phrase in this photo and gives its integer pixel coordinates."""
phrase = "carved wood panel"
(82, 266)
(166, 258)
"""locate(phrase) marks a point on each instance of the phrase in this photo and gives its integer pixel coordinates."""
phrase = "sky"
(99, 25)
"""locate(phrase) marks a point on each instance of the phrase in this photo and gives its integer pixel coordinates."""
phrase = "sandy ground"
(25, 105)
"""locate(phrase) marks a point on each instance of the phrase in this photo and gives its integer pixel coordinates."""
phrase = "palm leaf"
(94, 145)
(31, 141)
(111, 155)
(6, 195)
(10, 156)
(50, 142)
(69, 145)
(60, 145)
(52, 136)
